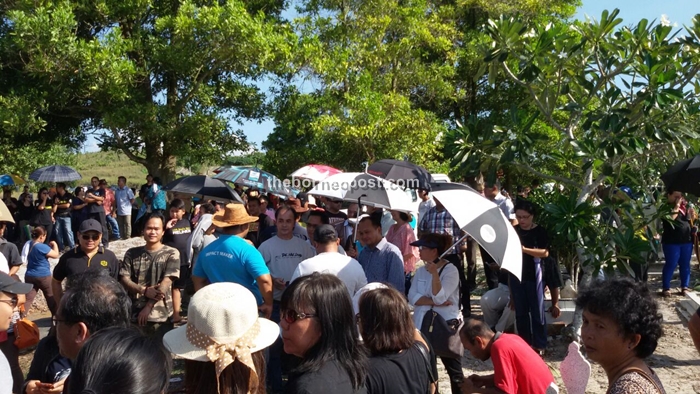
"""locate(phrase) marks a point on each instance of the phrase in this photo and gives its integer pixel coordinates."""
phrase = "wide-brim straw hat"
(233, 215)
(223, 312)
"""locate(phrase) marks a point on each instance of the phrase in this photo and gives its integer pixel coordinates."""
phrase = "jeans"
(64, 232)
(112, 222)
(124, 222)
(528, 297)
(677, 254)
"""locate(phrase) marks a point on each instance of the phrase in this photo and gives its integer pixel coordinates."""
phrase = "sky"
(679, 12)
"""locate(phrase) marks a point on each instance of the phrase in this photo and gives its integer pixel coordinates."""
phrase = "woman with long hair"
(621, 327)
(39, 269)
(121, 360)
(400, 359)
(528, 293)
(223, 341)
(401, 234)
(318, 326)
(436, 286)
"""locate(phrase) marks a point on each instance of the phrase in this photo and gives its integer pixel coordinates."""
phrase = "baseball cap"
(9, 285)
(325, 233)
(90, 225)
(426, 243)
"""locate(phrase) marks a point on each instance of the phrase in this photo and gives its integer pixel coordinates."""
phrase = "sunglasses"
(291, 316)
(11, 302)
(88, 237)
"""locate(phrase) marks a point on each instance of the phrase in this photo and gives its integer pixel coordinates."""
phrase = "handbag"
(26, 333)
(443, 335)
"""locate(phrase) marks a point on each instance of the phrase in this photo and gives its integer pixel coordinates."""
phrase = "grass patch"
(110, 166)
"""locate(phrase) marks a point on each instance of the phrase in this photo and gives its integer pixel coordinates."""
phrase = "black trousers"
(491, 275)
(100, 217)
(469, 259)
(454, 371)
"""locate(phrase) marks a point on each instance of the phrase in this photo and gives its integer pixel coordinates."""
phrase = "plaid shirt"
(441, 222)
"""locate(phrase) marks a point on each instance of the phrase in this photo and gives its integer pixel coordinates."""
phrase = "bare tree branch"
(127, 151)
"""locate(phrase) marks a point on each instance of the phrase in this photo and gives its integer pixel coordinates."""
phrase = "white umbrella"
(5, 215)
(484, 221)
(364, 189)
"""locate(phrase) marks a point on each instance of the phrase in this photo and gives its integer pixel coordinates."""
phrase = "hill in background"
(109, 166)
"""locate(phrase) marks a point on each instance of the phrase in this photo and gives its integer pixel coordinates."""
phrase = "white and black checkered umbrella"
(55, 174)
(484, 221)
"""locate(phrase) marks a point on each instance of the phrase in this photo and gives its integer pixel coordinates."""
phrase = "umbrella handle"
(453, 245)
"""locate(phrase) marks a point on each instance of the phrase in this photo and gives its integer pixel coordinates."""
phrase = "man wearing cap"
(231, 259)
(9, 301)
(381, 260)
(329, 261)
(95, 198)
(88, 255)
(9, 251)
(147, 273)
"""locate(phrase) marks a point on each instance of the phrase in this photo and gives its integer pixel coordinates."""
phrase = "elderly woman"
(401, 360)
(318, 326)
(436, 286)
(622, 327)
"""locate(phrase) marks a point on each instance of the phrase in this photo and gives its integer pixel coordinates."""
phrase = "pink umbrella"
(315, 172)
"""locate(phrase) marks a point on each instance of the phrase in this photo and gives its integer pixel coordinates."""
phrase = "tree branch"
(127, 152)
(557, 178)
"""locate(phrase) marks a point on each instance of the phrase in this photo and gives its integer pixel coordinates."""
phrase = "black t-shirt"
(331, 378)
(535, 238)
(75, 261)
(679, 232)
(256, 229)
(44, 215)
(93, 207)
(47, 363)
(25, 212)
(401, 373)
(9, 250)
(66, 198)
(177, 237)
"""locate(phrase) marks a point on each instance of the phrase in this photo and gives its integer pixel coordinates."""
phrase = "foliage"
(24, 159)
(159, 79)
(616, 97)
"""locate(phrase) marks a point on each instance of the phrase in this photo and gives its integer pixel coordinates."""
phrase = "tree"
(616, 97)
(157, 79)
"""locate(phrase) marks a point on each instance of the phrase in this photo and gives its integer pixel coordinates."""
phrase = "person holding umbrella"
(677, 243)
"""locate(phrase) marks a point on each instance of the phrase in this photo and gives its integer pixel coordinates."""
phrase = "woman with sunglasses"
(318, 326)
(436, 286)
(43, 216)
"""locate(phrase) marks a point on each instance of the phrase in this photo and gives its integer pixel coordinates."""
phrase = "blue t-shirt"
(231, 259)
(37, 263)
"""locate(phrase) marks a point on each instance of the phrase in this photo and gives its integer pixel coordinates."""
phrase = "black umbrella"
(55, 174)
(484, 221)
(684, 176)
(404, 173)
(255, 178)
(202, 185)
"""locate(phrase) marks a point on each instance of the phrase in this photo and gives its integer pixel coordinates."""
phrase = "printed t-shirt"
(282, 257)
(231, 259)
(149, 268)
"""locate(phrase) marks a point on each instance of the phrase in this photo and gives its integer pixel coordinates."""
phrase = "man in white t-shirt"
(283, 252)
(329, 261)
(426, 202)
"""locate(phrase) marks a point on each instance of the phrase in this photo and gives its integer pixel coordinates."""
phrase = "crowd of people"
(340, 303)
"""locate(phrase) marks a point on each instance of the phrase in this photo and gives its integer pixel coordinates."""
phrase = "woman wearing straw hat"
(222, 341)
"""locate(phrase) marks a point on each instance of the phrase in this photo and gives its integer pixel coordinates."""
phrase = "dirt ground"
(676, 360)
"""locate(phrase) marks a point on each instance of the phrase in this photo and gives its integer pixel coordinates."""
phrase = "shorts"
(185, 274)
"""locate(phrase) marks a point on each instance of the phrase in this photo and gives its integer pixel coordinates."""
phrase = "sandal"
(684, 291)
(666, 293)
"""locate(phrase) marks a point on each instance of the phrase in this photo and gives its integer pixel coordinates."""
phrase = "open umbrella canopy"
(404, 173)
(11, 180)
(256, 178)
(55, 174)
(684, 176)
(315, 172)
(202, 185)
(484, 221)
(5, 215)
(364, 188)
